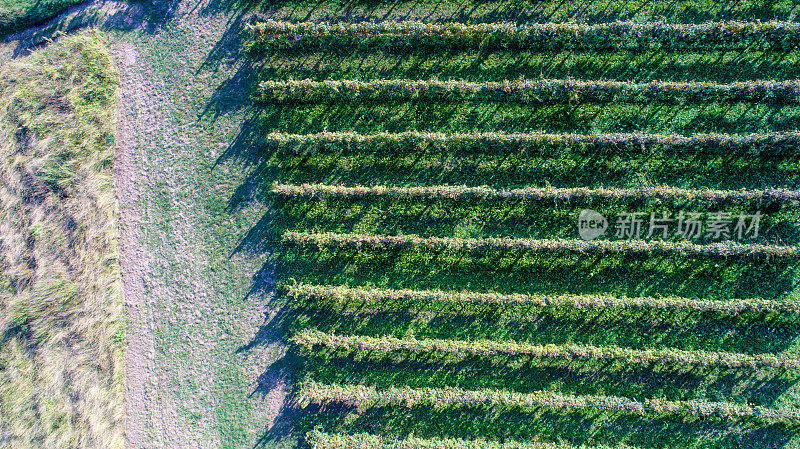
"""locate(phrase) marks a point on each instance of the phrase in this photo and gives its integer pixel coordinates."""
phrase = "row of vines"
(391, 280)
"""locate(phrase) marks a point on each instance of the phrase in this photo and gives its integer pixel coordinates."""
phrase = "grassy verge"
(567, 169)
(19, 14)
(717, 65)
(60, 288)
(480, 11)
(522, 374)
(322, 440)
(584, 118)
(504, 164)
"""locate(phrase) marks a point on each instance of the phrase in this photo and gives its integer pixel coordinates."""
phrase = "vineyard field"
(428, 177)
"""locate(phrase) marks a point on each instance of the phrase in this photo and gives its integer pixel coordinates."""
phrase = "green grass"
(208, 352)
(684, 11)
(211, 227)
(16, 15)
(723, 66)
(637, 330)
(739, 118)
(523, 374)
(323, 440)
(512, 271)
(495, 218)
(567, 169)
(61, 373)
(508, 272)
(657, 431)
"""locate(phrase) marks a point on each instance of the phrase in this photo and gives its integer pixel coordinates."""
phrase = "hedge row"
(536, 36)
(385, 344)
(665, 193)
(366, 396)
(766, 144)
(321, 440)
(361, 294)
(541, 91)
(637, 247)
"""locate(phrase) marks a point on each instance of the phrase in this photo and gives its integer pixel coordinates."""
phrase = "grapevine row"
(541, 91)
(367, 396)
(535, 36)
(488, 348)
(639, 247)
(777, 143)
(672, 194)
(360, 294)
(322, 440)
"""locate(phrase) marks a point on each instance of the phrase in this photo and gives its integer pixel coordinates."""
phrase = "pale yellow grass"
(61, 325)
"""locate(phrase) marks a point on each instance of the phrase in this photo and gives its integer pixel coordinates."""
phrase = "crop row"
(637, 247)
(537, 143)
(540, 91)
(665, 193)
(535, 36)
(360, 294)
(322, 440)
(488, 348)
(367, 396)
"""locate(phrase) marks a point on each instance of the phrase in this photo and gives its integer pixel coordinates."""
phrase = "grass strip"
(322, 440)
(360, 294)
(666, 193)
(541, 36)
(638, 247)
(311, 338)
(366, 396)
(758, 144)
(541, 91)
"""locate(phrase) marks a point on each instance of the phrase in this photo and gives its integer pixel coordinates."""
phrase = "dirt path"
(200, 353)
(189, 384)
(134, 113)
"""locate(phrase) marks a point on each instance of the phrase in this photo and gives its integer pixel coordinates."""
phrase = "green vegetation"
(369, 242)
(320, 440)
(425, 178)
(543, 91)
(19, 14)
(365, 396)
(338, 295)
(665, 194)
(534, 144)
(544, 37)
(717, 65)
(401, 222)
(310, 339)
(61, 372)
(591, 11)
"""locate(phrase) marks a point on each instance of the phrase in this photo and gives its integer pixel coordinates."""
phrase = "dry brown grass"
(61, 327)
